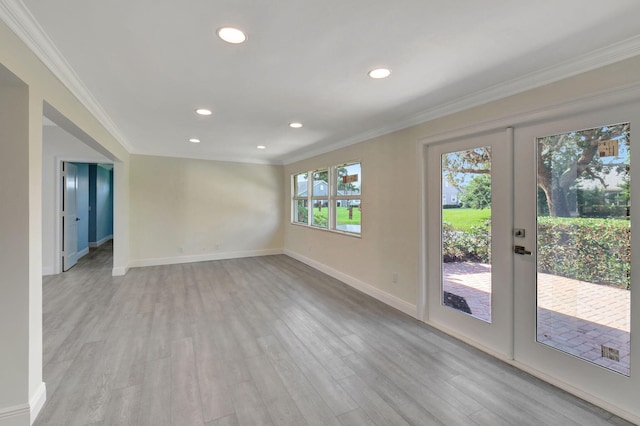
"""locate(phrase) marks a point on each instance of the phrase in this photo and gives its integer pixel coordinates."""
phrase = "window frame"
(331, 198)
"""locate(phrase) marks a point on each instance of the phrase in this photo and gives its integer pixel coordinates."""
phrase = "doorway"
(61, 143)
(86, 218)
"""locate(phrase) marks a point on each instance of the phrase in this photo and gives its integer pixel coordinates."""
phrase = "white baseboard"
(47, 270)
(203, 257)
(94, 244)
(119, 271)
(16, 415)
(37, 401)
(83, 252)
(368, 289)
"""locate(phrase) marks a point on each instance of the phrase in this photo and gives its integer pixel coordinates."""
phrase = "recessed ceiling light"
(231, 35)
(194, 140)
(295, 125)
(261, 147)
(203, 111)
(380, 73)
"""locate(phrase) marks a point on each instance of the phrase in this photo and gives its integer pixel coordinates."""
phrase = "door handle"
(521, 250)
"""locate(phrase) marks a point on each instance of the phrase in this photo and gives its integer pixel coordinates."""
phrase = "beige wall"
(190, 210)
(389, 218)
(391, 176)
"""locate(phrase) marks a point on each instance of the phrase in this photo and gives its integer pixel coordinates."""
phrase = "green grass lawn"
(343, 215)
(464, 219)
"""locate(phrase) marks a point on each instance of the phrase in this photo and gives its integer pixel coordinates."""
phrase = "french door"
(469, 188)
(577, 202)
(532, 248)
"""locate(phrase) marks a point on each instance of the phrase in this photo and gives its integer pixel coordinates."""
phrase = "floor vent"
(610, 353)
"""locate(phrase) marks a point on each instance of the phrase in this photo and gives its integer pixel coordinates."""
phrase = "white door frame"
(57, 234)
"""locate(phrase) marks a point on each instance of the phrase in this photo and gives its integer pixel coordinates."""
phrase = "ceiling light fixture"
(295, 125)
(194, 140)
(261, 147)
(380, 73)
(203, 111)
(231, 35)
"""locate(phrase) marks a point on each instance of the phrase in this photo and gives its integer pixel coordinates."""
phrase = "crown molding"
(586, 62)
(222, 159)
(17, 17)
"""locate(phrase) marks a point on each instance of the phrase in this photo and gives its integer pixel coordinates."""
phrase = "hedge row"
(473, 245)
(589, 249)
(594, 250)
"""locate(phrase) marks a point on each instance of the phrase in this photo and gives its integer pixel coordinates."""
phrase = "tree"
(567, 157)
(456, 166)
(477, 193)
(562, 160)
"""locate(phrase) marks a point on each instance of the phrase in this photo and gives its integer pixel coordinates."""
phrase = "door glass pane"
(466, 231)
(584, 244)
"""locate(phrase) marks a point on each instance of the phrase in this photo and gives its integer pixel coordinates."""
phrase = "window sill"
(333, 231)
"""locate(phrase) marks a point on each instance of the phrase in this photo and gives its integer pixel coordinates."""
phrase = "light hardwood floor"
(266, 341)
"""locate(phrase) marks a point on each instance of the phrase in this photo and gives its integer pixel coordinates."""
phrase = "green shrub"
(589, 249)
(594, 250)
(303, 215)
(472, 245)
(320, 218)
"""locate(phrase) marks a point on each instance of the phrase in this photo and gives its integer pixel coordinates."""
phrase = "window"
(320, 198)
(329, 198)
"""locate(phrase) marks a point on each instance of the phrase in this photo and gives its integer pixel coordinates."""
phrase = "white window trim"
(331, 198)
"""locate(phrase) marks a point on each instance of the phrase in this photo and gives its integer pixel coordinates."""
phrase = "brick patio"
(574, 316)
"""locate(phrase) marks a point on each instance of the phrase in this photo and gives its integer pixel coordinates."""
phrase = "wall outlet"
(180, 250)
(394, 277)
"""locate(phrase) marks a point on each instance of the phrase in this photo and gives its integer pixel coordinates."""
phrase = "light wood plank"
(266, 341)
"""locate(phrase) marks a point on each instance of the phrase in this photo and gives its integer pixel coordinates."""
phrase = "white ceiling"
(144, 66)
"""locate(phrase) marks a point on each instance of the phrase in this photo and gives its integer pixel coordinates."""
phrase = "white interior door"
(69, 216)
(469, 222)
(575, 292)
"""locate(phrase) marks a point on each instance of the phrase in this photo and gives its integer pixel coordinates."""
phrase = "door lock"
(521, 250)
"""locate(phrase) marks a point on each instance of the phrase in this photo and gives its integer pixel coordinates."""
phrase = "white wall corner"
(376, 293)
(48, 270)
(37, 401)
